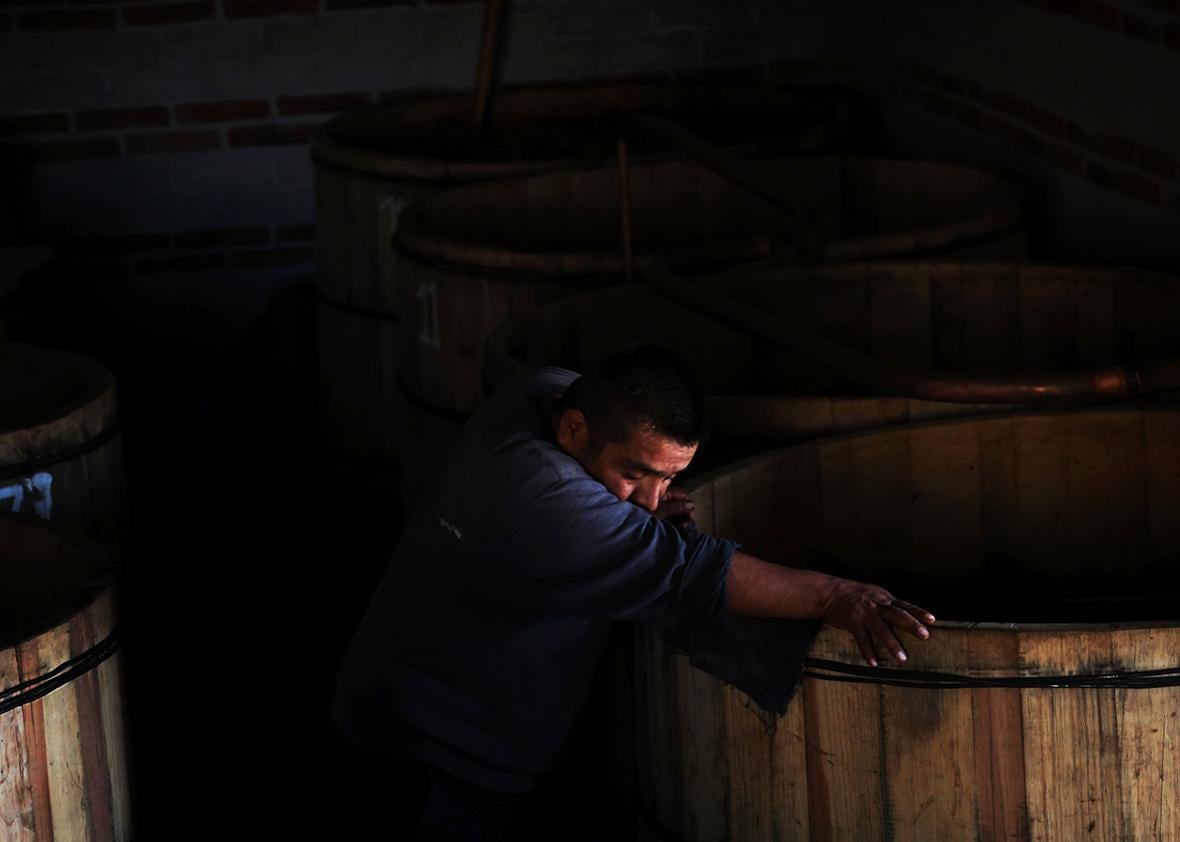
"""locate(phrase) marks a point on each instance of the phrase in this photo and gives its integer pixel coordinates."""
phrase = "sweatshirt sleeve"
(579, 550)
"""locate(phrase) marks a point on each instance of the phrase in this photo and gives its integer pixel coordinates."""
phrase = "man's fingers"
(883, 632)
(903, 617)
(865, 642)
(922, 615)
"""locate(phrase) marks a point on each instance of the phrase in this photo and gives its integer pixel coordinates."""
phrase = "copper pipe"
(488, 53)
(625, 211)
(1110, 383)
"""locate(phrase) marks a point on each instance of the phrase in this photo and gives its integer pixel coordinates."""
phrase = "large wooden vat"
(369, 166)
(471, 257)
(63, 759)
(61, 455)
(1045, 544)
(975, 319)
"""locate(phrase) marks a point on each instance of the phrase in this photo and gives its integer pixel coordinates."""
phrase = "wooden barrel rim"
(836, 637)
(83, 409)
(416, 238)
(75, 556)
(335, 145)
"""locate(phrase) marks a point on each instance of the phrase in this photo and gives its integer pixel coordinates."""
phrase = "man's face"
(638, 470)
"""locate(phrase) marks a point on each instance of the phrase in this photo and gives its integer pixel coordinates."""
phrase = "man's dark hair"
(645, 387)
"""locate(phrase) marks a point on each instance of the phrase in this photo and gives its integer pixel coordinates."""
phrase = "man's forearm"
(757, 588)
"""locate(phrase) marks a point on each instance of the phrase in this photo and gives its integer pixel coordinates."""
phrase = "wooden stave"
(76, 442)
(76, 733)
(847, 796)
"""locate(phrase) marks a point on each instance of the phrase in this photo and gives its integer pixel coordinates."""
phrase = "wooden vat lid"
(53, 401)
(428, 136)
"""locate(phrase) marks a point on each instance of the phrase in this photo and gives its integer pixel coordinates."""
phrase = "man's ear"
(573, 433)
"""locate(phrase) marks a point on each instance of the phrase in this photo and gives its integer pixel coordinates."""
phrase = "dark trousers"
(401, 798)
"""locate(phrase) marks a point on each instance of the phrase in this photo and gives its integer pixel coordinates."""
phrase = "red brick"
(121, 118)
(1138, 27)
(292, 106)
(1117, 148)
(296, 233)
(151, 144)
(1046, 121)
(218, 112)
(1157, 161)
(163, 14)
(281, 135)
(345, 5)
(1001, 101)
(269, 8)
(1100, 15)
(275, 257)
(180, 263)
(223, 237)
(18, 124)
(77, 150)
(60, 19)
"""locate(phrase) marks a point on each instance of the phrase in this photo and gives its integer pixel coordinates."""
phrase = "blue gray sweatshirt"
(478, 647)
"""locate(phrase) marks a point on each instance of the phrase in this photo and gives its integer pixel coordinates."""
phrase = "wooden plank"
(750, 797)
(944, 524)
(17, 802)
(845, 773)
(928, 763)
(1149, 739)
(866, 489)
(1107, 495)
(1040, 540)
(704, 776)
(788, 774)
(68, 797)
(1162, 435)
(1072, 743)
(998, 723)
(92, 740)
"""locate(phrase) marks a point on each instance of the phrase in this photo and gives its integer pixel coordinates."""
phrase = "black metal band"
(48, 460)
(825, 670)
(59, 676)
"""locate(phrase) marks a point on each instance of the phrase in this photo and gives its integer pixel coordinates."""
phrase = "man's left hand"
(676, 507)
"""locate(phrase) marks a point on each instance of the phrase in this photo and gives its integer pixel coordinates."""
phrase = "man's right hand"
(872, 616)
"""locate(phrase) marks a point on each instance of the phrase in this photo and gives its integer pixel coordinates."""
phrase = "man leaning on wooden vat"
(554, 517)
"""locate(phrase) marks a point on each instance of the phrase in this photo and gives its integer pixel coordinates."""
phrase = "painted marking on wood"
(428, 332)
(33, 494)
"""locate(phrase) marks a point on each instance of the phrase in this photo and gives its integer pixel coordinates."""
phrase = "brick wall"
(167, 137)
(1075, 96)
